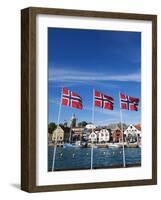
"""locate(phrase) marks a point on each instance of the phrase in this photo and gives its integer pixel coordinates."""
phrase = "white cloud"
(80, 76)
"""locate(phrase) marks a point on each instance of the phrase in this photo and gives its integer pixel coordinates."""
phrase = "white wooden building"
(132, 134)
(93, 137)
(58, 136)
(103, 136)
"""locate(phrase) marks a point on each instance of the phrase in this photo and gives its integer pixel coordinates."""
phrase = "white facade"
(93, 137)
(132, 133)
(58, 135)
(103, 135)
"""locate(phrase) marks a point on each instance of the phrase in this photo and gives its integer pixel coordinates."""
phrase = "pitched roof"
(138, 126)
(58, 128)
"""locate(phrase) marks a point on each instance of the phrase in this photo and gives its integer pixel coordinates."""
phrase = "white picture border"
(43, 177)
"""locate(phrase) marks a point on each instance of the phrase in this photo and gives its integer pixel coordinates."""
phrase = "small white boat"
(77, 144)
(67, 145)
(114, 145)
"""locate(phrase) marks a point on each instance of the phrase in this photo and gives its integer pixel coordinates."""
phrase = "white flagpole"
(123, 149)
(58, 120)
(92, 132)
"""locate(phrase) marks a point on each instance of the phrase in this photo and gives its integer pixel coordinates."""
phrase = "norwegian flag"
(128, 103)
(71, 99)
(103, 101)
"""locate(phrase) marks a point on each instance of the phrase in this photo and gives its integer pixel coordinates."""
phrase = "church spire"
(73, 121)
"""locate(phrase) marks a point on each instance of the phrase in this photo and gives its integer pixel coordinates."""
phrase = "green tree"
(61, 125)
(82, 124)
(51, 127)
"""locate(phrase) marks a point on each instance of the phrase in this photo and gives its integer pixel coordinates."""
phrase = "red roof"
(138, 126)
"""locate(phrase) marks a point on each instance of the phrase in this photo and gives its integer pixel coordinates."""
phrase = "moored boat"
(66, 145)
(102, 145)
(114, 145)
(132, 145)
(77, 144)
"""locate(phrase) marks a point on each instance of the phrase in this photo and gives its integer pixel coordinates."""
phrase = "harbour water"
(75, 158)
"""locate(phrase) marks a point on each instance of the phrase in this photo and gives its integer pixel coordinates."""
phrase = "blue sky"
(83, 60)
